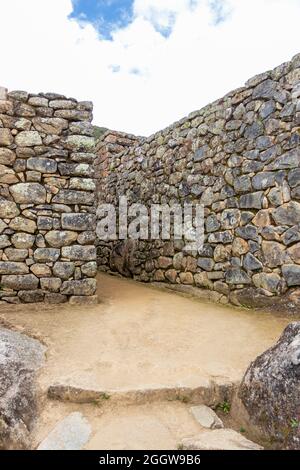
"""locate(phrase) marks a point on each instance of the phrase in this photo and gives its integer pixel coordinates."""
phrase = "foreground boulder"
(20, 358)
(270, 390)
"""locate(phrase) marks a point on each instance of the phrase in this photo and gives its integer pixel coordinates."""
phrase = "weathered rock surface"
(8, 209)
(20, 358)
(219, 439)
(206, 417)
(81, 287)
(79, 222)
(70, 434)
(59, 238)
(79, 253)
(270, 390)
(28, 139)
(28, 193)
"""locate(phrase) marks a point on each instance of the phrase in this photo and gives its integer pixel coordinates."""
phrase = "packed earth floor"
(134, 364)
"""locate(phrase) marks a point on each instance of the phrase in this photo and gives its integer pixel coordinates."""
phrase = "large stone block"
(51, 284)
(63, 269)
(79, 143)
(82, 128)
(274, 253)
(79, 253)
(10, 267)
(41, 270)
(251, 263)
(249, 232)
(73, 115)
(4, 241)
(291, 274)
(263, 180)
(43, 165)
(252, 200)
(62, 104)
(294, 253)
(293, 177)
(82, 184)
(28, 193)
(78, 221)
(220, 237)
(265, 90)
(6, 138)
(20, 124)
(54, 298)
(288, 214)
(66, 196)
(28, 139)
(287, 161)
(237, 276)
(8, 209)
(230, 218)
(269, 282)
(7, 157)
(14, 254)
(59, 238)
(7, 175)
(31, 296)
(53, 126)
(76, 169)
(46, 255)
(20, 282)
(21, 224)
(81, 287)
(22, 240)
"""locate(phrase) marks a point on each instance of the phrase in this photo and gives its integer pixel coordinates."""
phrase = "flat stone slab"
(206, 417)
(70, 434)
(219, 439)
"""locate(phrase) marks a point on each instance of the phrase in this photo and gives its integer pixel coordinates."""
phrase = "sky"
(144, 63)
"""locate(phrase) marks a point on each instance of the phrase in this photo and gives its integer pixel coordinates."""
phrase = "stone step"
(152, 426)
(210, 393)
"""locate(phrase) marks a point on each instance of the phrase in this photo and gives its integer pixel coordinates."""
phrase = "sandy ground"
(152, 426)
(140, 337)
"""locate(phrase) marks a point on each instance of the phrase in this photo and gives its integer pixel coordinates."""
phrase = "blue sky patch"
(110, 15)
(105, 15)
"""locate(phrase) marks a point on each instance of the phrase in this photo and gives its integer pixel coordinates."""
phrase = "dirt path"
(141, 338)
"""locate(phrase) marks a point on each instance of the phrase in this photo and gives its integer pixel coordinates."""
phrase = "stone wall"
(108, 147)
(47, 199)
(240, 158)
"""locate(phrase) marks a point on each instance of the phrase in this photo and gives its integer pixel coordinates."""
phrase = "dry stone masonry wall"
(240, 158)
(111, 144)
(47, 199)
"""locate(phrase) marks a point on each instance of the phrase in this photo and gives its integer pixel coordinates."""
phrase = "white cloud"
(162, 13)
(142, 81)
